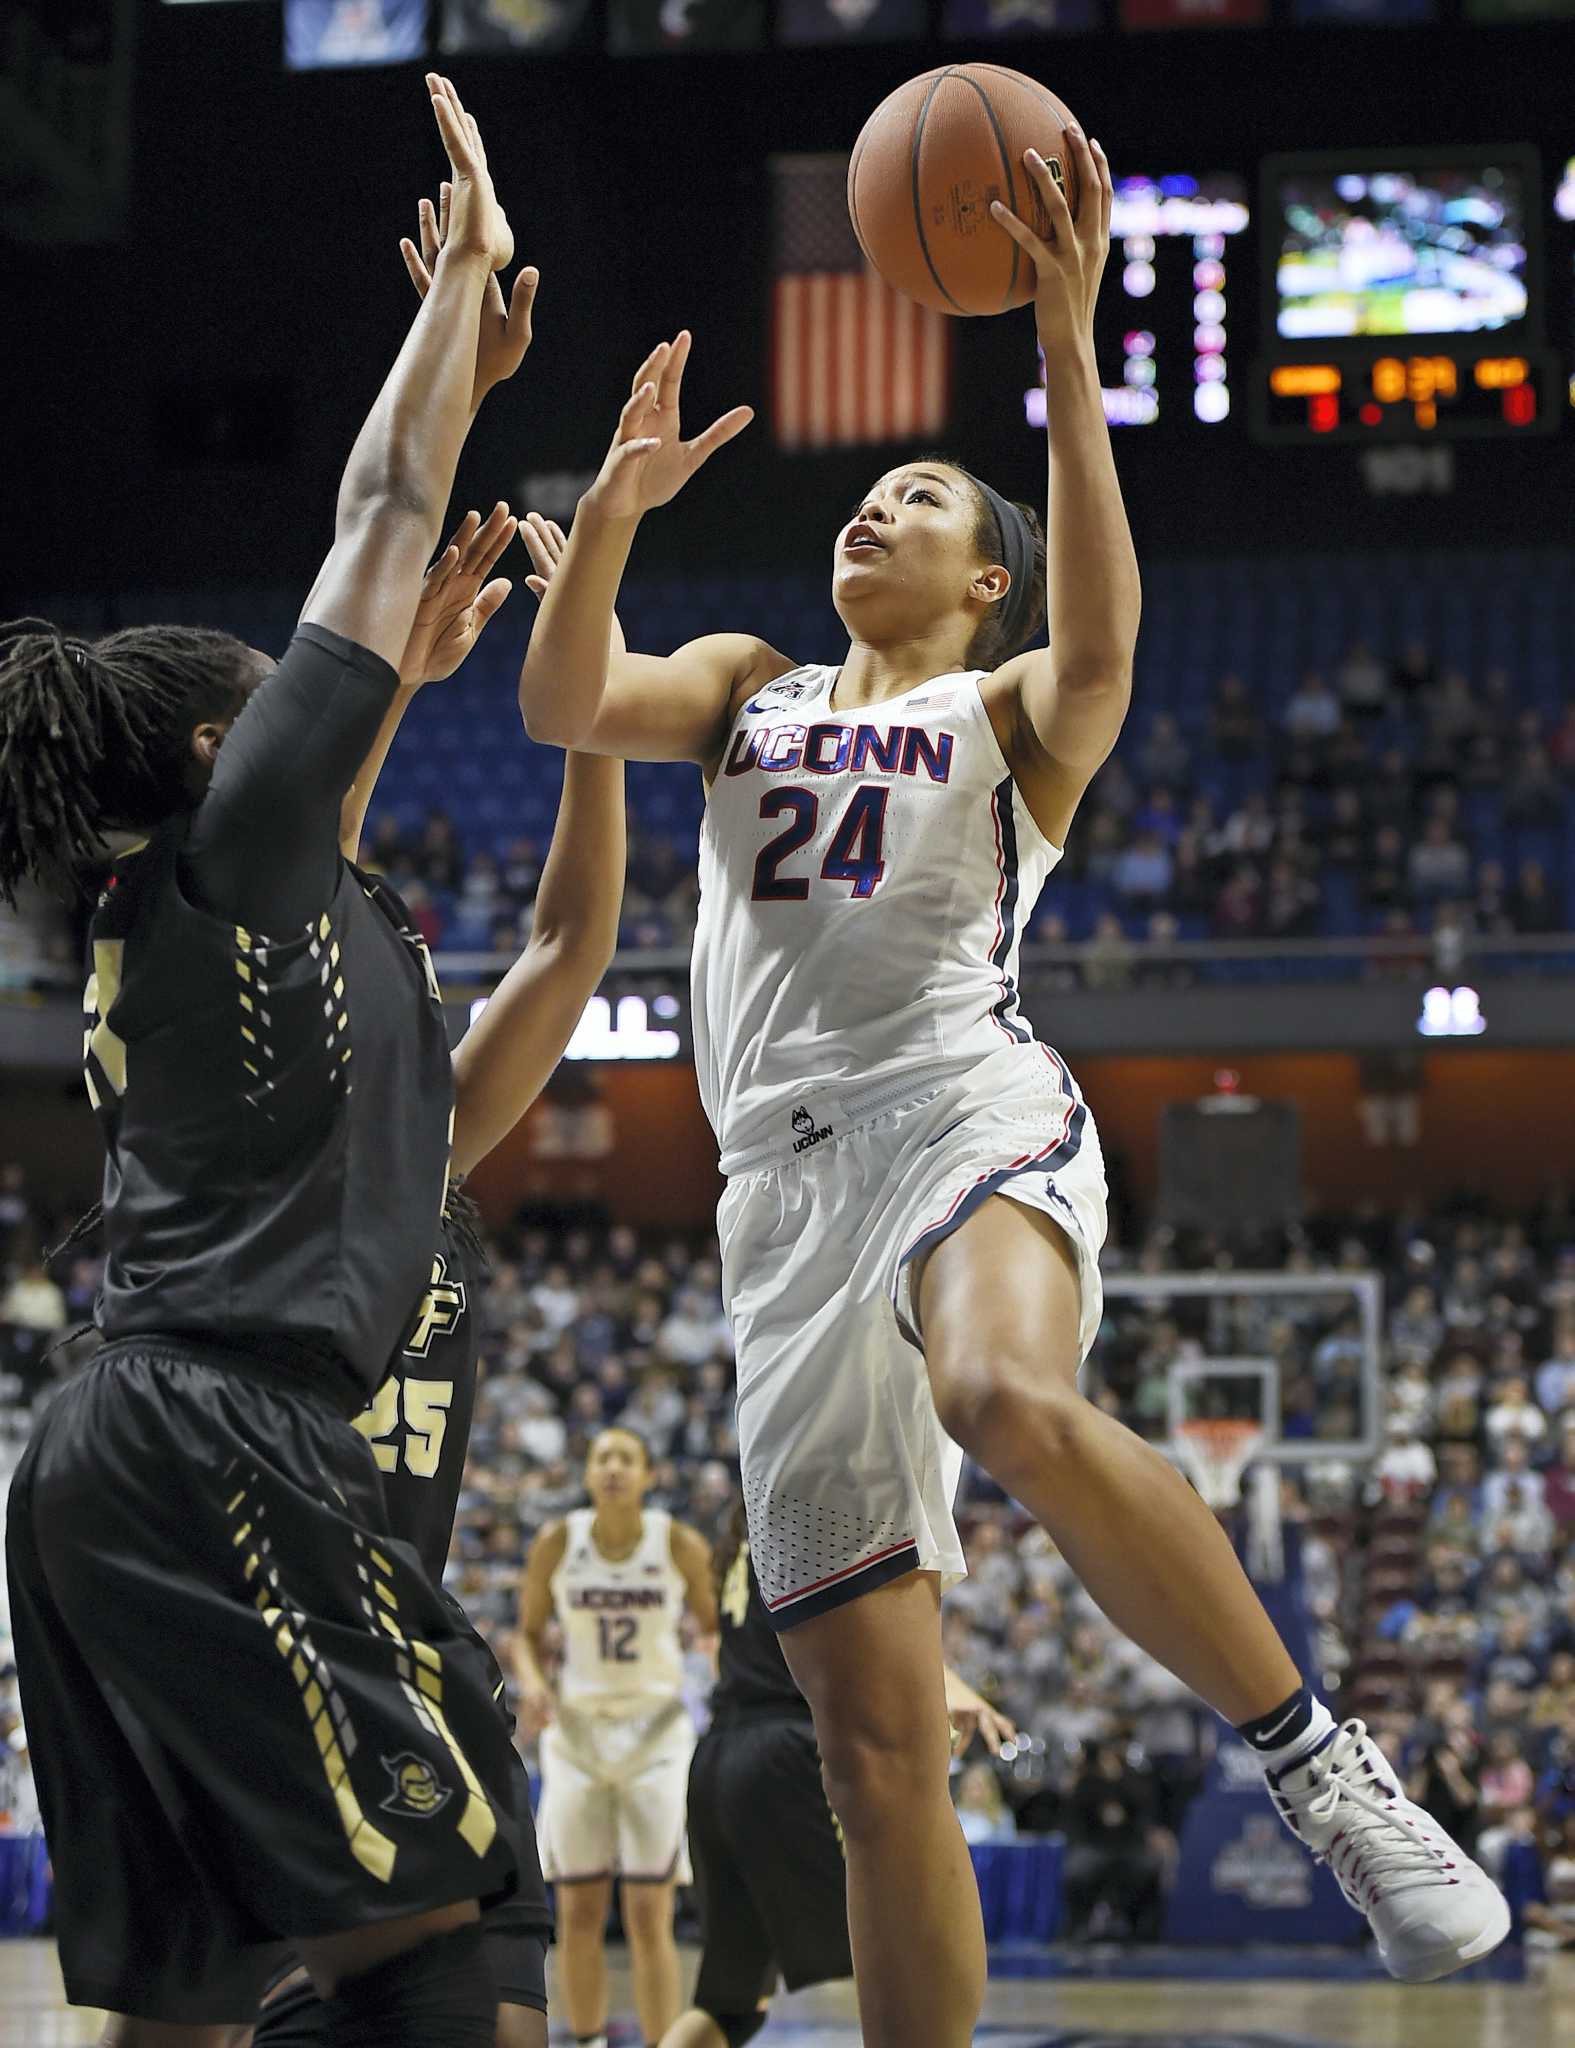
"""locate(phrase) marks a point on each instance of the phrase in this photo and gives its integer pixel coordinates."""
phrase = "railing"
(1102, 963)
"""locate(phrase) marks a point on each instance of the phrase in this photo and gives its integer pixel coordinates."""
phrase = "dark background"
(256, 296)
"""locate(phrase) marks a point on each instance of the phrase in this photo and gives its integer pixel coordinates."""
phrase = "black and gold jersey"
(276, 1101)
(418, 1422)
(752, 1673)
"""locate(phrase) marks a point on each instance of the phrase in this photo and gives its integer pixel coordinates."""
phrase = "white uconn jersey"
(865, 875)
(621, 1653)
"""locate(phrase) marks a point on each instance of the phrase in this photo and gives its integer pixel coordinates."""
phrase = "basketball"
(927, 165)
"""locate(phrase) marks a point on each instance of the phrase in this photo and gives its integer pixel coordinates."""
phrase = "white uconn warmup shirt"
(865, 876)
(621, 1653)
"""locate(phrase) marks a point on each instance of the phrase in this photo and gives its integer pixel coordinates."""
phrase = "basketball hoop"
(1216, 1451)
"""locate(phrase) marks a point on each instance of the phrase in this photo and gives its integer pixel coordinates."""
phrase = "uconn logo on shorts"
(806, 1131)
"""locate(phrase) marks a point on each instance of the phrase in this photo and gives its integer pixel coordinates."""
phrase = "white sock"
(1312, 1738)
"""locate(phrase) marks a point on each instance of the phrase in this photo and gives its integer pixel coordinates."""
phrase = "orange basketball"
(928, 163)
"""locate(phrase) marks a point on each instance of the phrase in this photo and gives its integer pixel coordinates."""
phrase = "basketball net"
(1216, 1452)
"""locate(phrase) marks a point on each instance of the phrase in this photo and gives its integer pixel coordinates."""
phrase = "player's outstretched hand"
(505, 328)
(545, 541)
(478, 224)
(459, 594)
(971, 1714)
(1070, 264)
(649, 460)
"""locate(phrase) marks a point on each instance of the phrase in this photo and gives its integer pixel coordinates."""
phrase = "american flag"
(852, 361)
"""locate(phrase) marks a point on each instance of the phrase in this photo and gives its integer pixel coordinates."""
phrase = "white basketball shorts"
(613, 1796)
(848, 1475)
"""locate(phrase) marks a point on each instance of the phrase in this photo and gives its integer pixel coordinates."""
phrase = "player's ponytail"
(95, 736)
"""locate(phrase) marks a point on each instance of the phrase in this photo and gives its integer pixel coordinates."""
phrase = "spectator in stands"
(1344, 835)
(440, 858)
(1534, 906)
(1249, 830)
(1507, 1781)
(1561, 744)
(1385, 885)
(1490, 911)
(1438, 863)
(982, 1807)
(1484, 765)
(1363, 682)
(1533, 794)
(1234, 724)
(1313, 711)
(1238, 908)
(1107, 964)
(1412, 673)
(1453, 714)
(1555, 1377)
(1164, 757)
(1512, 1412)
(1554, 1702)
(1142, 874)
(1512, 1485)
(1558, 1481)
(1390, 796)
(1406, 1468)
(1116, 1853)
(33, 1301)
(1291, 903)
(1416, 1328)
(1551, 1919)
(1447, 1778)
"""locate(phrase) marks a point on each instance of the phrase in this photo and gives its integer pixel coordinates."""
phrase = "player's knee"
(647, 1911)
(582, 1911)
(872, 1769)
(1010, 1415)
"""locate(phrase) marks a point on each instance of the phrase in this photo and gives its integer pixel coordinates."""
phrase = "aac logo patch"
(417, 1788)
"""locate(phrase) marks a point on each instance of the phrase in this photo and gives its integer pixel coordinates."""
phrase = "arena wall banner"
(850, 21)
(322, 35)
(1243, 1877)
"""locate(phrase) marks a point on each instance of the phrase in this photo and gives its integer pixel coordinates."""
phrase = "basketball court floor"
(1039, 2012)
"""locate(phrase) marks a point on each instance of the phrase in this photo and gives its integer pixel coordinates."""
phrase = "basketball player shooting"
(915, 1198)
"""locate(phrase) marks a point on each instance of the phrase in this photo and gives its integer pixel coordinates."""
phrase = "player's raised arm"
(1074, 696)
(573, 693)
(505, 1058)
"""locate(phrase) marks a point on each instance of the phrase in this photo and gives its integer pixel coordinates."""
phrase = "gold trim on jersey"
(420, 1670)
(325, 1709)
(104, 1047)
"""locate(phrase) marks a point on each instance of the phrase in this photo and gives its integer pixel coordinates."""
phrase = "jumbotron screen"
(1398, 249)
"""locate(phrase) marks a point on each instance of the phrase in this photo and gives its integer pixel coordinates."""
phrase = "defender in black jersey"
(418, 1421)
(766, 1847)
(253, 1718)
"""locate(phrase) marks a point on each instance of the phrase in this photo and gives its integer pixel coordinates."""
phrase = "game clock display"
(1402, 298)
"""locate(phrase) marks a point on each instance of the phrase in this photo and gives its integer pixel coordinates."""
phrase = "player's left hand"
(971, 1714)
(457, 599)
(1071, 262)
(545, 541)
(505, 326)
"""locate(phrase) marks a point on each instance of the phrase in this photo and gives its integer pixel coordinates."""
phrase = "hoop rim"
(1221, 1448)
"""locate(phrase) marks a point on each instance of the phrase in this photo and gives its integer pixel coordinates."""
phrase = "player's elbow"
(547, 719)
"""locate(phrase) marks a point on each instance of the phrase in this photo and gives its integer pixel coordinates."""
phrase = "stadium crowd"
(1439, 1579)
(1390, 798)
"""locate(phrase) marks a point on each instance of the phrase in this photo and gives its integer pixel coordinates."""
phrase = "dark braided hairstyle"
(95, 736)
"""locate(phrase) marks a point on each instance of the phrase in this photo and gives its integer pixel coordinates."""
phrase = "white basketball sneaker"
(1431, 1908)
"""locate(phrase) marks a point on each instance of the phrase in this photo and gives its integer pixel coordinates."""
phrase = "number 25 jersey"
(865, 875)
(621, 1653)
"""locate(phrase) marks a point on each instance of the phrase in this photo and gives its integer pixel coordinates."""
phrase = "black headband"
(1017, 558)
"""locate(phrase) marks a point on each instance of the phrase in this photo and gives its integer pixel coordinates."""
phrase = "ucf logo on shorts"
(441, 1308)
(417, 1788)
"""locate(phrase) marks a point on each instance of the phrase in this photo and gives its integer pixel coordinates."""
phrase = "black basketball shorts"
(252, 1716)
(768, 1864)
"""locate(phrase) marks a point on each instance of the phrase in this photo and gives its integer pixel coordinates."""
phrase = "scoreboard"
(1401, 298)
(1386, 297)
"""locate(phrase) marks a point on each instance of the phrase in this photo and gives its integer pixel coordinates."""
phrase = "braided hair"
(96, 735)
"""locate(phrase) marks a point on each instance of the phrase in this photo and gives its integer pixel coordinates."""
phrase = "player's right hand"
(649, 461)
(537, 1708)
(506, 330)
(478, 226)
(545, 541)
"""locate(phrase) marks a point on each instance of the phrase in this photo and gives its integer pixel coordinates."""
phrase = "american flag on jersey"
(852, 361)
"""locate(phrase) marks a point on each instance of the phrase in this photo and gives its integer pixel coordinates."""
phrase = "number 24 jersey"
(865, 876)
